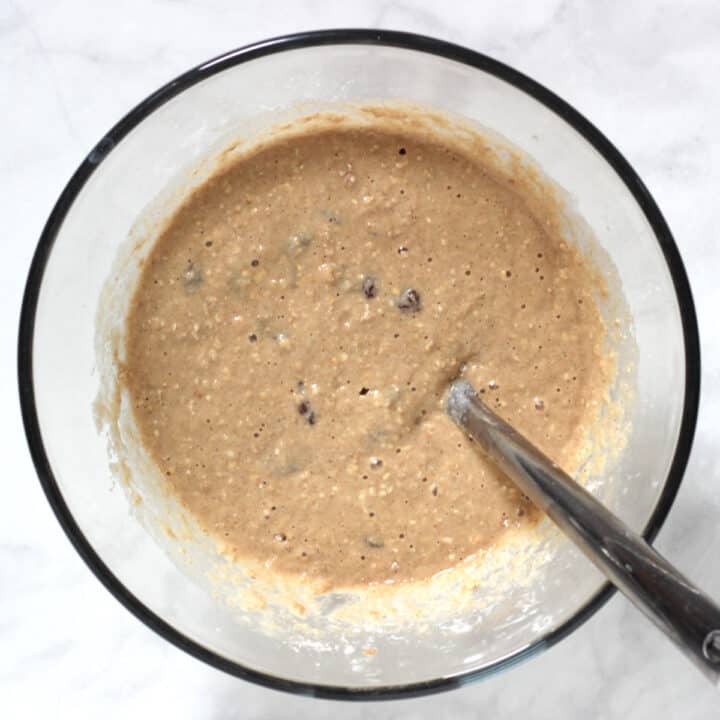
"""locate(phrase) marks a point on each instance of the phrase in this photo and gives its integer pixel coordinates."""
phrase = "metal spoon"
(687, 616)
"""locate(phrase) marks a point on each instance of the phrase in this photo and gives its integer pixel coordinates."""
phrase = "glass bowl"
(250, 89)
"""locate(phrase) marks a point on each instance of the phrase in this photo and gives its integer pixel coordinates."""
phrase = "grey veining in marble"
(645, 73)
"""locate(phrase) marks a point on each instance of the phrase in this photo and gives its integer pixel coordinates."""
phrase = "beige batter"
(295, 329)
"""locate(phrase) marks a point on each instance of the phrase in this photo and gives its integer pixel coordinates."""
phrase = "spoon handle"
(671, 601)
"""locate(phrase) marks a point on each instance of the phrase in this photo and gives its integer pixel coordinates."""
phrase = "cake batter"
(298, 322)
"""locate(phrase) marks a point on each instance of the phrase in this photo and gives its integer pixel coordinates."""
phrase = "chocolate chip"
(402, 151)
(307, 412)
(252, 337)
(369, 287)
(255, 262)
(409, 300)
(364, 391)
(403, 250)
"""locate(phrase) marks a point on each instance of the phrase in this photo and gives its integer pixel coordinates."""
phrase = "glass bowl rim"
(370, 37)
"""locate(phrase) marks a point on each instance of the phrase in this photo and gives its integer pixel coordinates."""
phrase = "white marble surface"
(69, 68)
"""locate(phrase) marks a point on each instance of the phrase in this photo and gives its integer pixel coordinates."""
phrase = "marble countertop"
(645, 73)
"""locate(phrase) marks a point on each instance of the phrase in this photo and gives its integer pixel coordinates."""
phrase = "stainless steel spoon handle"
(671, 601)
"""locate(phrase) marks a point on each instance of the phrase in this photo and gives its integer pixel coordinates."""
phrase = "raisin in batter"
(297, 324)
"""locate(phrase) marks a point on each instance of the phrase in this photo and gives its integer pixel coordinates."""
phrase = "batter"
(298, 322)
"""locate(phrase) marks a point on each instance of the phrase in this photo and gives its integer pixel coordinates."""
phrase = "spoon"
(686, 615)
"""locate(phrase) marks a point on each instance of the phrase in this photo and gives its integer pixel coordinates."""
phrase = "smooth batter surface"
(298, 322)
